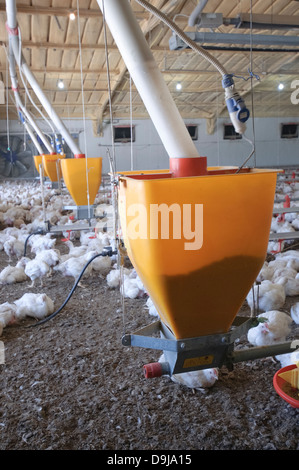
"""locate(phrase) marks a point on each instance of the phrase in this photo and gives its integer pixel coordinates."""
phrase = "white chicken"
(73, 267)
(13, 214)
(151, 308)
(75, 251)
(290, 258)
(95, 244)
(113, 278)
(102, 264)
(288, 359)
(132, 286)
(7, 315)
(295, 223)
(37, 306)
(266, 273)
(280, 269)
(290, 284)
(37, 269)
(295, 313)
(22, 262)
(51, 257)
(267, 296)
(13, 247)
(128, 281)
(285, 227)
(273, 327)
(197, 379)
(86, 236)
(41, 242)
(12, 275)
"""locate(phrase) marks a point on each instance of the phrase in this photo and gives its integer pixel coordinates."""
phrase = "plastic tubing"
(14, 40)
(183, 36)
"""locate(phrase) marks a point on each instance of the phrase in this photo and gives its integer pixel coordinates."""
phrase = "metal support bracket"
(202, 352)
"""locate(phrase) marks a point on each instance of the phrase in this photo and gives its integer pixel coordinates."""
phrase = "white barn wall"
(149, 153)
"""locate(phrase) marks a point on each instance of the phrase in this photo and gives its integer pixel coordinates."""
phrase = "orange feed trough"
(197, 243)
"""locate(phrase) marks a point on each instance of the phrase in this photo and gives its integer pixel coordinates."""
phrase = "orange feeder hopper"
(82, 177)
(52, 166)
(197, 244)
(38, 159)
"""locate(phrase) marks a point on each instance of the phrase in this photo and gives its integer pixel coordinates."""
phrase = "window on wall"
(124, 133)
(193, 131)
(230, 133)
(289, 131)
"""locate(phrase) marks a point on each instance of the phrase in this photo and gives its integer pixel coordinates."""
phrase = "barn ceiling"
(56, 47)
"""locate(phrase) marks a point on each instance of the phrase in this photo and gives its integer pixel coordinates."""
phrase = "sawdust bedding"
(70, 384)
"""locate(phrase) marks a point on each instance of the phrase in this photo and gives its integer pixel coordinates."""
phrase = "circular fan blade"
(3, 148)
(25, 154)
(15, 144)
(22, 168)
(7, 169)
(2, 165)
(15, 171)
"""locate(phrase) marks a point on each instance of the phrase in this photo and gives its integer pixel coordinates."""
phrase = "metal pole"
(261, 351)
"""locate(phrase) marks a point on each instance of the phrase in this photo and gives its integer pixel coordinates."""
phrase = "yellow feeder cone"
(199, 259)
(76, 172)
(52, 166)
(38, 159)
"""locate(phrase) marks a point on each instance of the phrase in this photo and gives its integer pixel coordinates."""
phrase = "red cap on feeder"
(154, 369)
(180, 167)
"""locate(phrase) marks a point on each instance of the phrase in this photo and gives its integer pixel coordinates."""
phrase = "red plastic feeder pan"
(284, 389)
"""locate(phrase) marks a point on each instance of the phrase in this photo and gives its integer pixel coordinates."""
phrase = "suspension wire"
(251, 77)
(251, 85)
(109, 85)
(131, 124)
(120, 251)
(7, 117)
(83, 107)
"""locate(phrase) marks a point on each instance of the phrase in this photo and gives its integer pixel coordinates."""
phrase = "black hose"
(104, 253)
(38, 232)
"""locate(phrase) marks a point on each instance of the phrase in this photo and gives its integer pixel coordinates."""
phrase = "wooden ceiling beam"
(113, 47)
(57, 70)
(60, 70)
(60, 11)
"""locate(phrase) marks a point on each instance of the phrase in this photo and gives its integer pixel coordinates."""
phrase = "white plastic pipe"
(148, 78)
(14, 40)
(193, 18)
(33, 138)
(20, 105)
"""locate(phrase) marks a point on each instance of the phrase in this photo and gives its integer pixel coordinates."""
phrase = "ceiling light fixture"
(178, 86)
(72, 16)
(281, 86)
(60, 84)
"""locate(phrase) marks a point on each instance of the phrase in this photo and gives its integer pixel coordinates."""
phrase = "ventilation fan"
(17, 160)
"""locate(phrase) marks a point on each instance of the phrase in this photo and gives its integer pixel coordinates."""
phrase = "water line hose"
(104, 253)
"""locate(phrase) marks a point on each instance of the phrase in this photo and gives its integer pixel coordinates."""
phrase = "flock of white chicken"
(22, 213)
